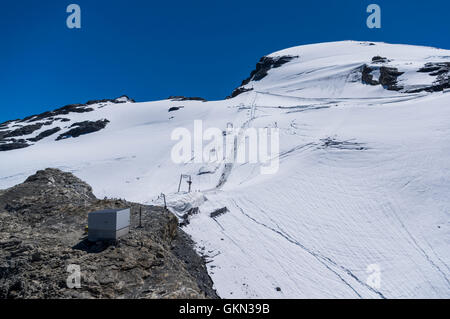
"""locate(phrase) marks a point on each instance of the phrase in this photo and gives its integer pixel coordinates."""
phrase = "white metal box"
(108, 224)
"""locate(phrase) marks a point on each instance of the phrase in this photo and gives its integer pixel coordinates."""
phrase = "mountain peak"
(343, 68)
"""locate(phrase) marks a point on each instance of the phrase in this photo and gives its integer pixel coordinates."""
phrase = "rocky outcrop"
(42, 232)
(238, 91)
(14, 134)
(186, 98)
(435, 69)
(24, 130)
(379, 59)
(388, 77)
(175, 108)
(261, 70)
(5, 124)
(13, 144)
(442, 73)
(121, 99)
(45, 134)
(75, 108)
(366, 75)
(82, 128)
(8, 140)
(264, 65)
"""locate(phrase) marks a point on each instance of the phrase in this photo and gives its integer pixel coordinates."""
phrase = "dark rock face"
(186, 98)
(33, 123)
(367, 77)
(175, 108)
(238, 91)
(122, 99)
(82, 128)
(182, 248)
(45, 134)
(264, 65)
(435, 68)
(379, 59)
(72, 108)
(75, 108)
(442, 73)
(24, 130)
(13, 145)
(4, 124)
(388, 77)
(262, 68)
(8, 139)
(42, 231)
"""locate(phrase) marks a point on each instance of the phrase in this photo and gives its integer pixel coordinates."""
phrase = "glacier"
(363, 179)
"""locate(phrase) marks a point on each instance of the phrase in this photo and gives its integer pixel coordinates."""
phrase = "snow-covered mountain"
(362, 188)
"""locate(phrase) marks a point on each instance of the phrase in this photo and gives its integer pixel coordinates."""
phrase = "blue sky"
(152, 49)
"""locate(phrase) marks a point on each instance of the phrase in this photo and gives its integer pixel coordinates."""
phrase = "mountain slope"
(363, 179)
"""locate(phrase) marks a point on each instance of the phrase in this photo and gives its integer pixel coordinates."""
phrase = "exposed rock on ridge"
(15, 134)
(262, 68)
(42, 225)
